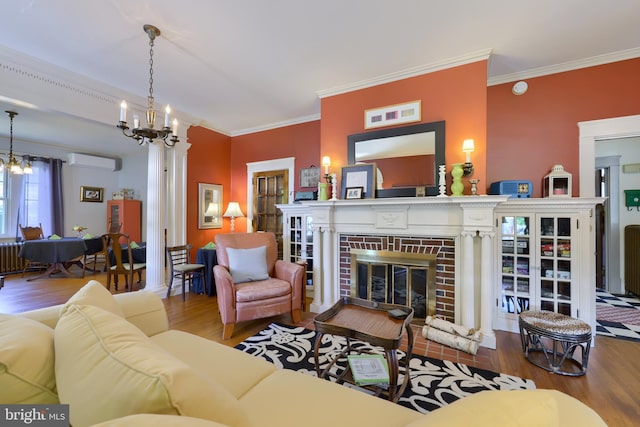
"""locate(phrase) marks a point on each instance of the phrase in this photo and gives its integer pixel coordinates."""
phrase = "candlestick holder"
(474, 186)
(442, 182)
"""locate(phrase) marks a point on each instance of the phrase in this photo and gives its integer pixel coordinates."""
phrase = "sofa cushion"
(27, 373)
(155, 420)
(308, 401)
(200, 354)
(107, 368)
(94, 293)
(521, 408)
(248, 265)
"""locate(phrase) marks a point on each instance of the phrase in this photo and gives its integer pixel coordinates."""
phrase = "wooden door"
(269, 189)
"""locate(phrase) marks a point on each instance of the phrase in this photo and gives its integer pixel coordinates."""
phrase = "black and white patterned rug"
(434, 383)
(616, 316)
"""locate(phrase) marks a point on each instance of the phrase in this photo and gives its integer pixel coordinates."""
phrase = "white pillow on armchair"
(248, 265)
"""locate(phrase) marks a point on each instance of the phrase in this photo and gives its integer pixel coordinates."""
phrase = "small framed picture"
(91, 194)
(354, 193)
(309, 177)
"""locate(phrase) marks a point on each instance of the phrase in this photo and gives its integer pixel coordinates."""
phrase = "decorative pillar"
(177, 194)
(317, 271)
(328, 283)
(467, 291)
(155, 277)
(487, 305)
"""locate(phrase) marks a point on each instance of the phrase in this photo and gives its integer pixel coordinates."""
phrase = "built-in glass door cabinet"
(538, 265)
(298, 237)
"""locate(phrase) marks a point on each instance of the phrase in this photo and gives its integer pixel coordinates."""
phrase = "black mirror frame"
(437, 127)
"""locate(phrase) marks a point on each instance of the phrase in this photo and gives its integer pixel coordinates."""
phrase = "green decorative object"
(323, 195)
(457, 187)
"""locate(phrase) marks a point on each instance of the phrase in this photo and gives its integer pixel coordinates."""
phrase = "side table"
(368, 321)
(209, 258)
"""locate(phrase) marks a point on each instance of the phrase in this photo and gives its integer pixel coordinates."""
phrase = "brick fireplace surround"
(458, 229)
(442, 248)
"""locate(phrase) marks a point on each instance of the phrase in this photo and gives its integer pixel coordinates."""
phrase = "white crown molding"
(296, 121)
(410, 72)
(566, 66)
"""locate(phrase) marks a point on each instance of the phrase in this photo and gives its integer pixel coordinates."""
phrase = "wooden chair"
(101, 256)
(180, 264)
(32, 233)
(116, 263)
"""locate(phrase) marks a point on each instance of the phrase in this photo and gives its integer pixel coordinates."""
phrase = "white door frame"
(266, 166)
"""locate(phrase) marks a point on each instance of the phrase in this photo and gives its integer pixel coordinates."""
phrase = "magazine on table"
(369, 369)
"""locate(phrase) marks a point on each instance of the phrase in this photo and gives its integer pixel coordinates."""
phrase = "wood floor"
(611, 386)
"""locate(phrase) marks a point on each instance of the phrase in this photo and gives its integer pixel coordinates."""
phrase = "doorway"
(270, 189)
(265, 168)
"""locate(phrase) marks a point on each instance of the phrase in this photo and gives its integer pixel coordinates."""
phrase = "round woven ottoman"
(549, 340)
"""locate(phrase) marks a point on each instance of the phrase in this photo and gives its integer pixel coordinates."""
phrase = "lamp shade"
(233, 210)
(468, 146)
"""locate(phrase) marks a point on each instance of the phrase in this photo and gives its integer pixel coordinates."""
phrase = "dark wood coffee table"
(366, 321)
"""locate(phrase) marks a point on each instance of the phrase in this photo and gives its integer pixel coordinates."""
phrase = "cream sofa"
(114, 360)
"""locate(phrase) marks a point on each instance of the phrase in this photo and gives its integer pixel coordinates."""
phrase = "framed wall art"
(359, 176)
(393, 115)
(91, 194)
(309, 177)
(209, 205)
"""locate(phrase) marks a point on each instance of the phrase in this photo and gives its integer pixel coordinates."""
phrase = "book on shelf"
(368, 369)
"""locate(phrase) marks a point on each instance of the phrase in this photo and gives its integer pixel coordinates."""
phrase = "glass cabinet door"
(516, 264)
(555, 241)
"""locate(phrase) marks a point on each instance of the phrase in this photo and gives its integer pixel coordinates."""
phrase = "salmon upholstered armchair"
(252, 283)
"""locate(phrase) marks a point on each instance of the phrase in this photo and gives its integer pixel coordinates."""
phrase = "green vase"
(457, 187)
(323, 195)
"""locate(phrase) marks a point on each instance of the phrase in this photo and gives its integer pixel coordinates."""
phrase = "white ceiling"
(240, 66)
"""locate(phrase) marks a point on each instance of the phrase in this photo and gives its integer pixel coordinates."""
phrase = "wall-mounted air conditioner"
(77, 159)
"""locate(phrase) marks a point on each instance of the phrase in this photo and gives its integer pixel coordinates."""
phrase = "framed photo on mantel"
(359, 176)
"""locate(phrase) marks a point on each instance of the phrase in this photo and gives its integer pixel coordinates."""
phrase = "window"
(26, 200)
(3, 201)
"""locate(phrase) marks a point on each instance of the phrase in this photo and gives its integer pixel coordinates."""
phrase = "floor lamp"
(233, 211)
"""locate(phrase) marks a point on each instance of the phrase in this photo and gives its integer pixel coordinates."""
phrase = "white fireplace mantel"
(464, 219)
(468, 220)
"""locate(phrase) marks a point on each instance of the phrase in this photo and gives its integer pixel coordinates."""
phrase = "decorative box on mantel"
(461, 232)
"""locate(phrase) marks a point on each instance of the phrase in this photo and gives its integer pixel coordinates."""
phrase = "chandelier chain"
(151, 68)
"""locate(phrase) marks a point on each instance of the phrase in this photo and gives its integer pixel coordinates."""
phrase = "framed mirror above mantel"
(407, 157)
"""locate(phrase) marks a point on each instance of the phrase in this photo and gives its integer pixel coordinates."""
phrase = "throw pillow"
(94, 293)
(27, 373)
(106, 368)
(248, 265)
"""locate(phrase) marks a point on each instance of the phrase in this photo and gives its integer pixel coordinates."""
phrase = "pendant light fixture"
(14, 167)
(148, 134)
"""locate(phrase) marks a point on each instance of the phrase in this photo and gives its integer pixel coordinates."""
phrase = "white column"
(467, 290)
(487, 304)
(155, 277)
(316, 305)
(328, 282)
(177, 194)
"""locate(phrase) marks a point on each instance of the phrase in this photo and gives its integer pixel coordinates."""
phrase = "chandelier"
(148, 134)
(15, 167)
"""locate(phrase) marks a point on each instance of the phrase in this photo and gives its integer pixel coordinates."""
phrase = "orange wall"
(456, 95)
(219, 159)
(516, 137)
(528, 134)
(208, 162)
